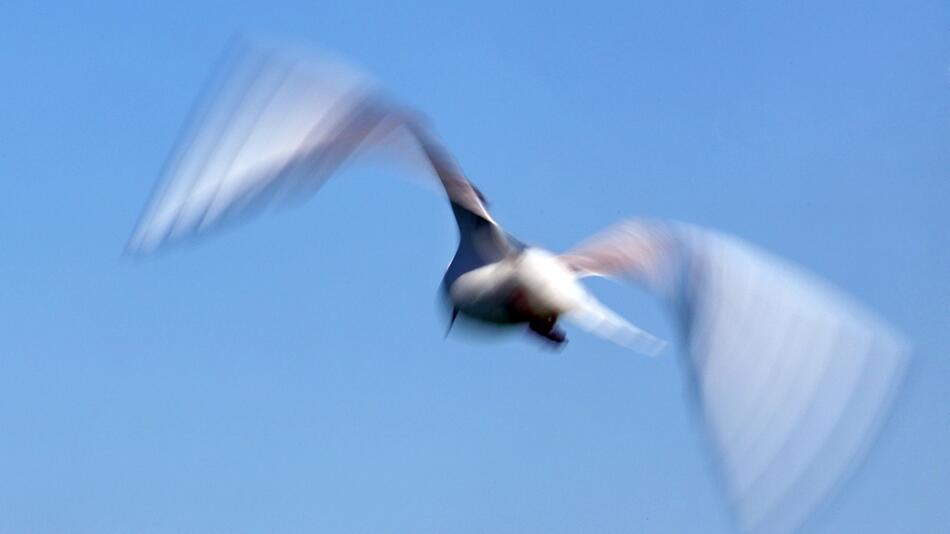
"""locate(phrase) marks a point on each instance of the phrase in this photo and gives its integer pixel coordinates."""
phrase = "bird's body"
(530, 286)
(792, 378)
(494, 278)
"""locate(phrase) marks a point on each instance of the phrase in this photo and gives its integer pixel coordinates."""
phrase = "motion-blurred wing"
(793, 379)
(273, 127)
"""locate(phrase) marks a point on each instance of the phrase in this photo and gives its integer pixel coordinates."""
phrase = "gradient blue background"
(290, 375)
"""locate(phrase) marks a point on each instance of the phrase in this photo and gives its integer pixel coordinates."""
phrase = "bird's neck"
(481, 242)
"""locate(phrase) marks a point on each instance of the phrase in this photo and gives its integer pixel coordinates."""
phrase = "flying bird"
(792, 378)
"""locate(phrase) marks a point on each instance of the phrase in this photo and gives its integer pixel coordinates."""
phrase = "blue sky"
(290, 375)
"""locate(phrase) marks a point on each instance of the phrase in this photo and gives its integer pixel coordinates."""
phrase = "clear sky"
(290, 375)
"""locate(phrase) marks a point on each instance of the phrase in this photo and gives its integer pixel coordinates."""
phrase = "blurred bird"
(792, 378)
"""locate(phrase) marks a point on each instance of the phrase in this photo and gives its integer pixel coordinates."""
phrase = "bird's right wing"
(792, 377)
(274, 126)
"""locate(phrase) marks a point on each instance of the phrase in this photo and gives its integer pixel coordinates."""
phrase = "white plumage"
(793, 379)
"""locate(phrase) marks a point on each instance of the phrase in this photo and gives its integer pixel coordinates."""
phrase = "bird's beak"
(455, 313)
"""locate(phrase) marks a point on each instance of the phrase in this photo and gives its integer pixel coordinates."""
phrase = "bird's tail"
(600, 320)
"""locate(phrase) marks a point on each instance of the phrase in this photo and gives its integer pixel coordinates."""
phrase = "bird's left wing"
(275, 124)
